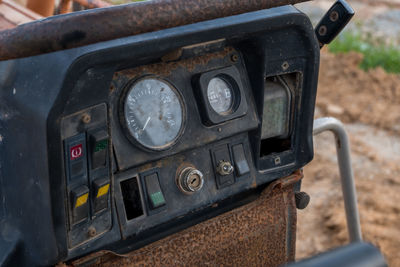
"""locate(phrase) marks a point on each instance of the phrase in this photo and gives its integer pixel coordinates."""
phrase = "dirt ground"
(369, 104)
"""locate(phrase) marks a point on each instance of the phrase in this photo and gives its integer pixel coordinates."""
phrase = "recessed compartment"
(276, 127)
(131, 196)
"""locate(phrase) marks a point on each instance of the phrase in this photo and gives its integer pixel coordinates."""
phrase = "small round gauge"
(154, 113)
(220, 95)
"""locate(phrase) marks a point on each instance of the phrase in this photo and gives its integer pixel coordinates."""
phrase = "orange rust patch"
(166, 68)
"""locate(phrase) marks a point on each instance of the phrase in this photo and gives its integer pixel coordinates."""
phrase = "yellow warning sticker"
(103, 190)
(82, 200)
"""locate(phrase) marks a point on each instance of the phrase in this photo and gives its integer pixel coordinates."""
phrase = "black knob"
(302, 200)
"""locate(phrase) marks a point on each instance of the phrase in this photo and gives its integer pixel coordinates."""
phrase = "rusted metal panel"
(261, 233)
(166, 69)
(83, 28)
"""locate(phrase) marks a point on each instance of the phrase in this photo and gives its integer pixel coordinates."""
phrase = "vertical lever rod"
(346, 173)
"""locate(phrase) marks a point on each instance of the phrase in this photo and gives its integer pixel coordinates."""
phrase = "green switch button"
(98, 148)
(154, 193)
(101, 145)
(157, 199)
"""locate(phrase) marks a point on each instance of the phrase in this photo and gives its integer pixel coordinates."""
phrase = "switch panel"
(88, 177)
(239, 157)
(221, 154)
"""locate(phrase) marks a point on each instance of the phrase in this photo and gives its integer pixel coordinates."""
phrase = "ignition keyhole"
(190, 180)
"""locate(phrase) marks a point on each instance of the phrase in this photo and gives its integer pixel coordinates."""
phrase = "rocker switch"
(99, 148)
(154, 193)
(79, 204)
(241, 165)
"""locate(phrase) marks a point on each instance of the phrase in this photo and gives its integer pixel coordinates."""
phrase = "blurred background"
(359, 84)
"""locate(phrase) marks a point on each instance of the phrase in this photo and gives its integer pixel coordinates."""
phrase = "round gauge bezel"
(123, 120)
(232, 76)
(234, 91)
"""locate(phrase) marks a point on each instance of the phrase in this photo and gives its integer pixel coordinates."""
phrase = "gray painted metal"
(346, 173)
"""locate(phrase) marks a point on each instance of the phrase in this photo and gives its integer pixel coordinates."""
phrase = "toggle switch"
(79, 204)
(223, 167)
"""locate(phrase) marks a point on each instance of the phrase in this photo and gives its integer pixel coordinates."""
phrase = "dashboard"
(140, 137)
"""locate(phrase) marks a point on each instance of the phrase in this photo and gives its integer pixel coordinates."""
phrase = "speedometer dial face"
(154, 113)
(220, 95)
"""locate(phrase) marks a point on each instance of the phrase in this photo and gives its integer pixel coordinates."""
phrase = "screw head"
(234, 58)
(86, 118)
(92, 231)
(334, 16)
(285, 65)
(323, 30)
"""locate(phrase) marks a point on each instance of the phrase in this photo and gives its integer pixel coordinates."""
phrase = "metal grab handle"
(346, 173)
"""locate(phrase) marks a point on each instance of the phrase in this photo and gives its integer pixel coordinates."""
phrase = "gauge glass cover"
(220, 95)
(154, 113)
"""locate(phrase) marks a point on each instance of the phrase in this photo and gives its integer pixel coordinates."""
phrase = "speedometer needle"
(147, 122)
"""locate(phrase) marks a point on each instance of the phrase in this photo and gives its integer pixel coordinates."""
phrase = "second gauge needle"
(147, 122)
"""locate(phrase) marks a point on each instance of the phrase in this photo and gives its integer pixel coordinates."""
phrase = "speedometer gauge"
(154, 113)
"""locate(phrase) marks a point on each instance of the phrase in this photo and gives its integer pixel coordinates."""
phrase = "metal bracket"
(333, 22)
(346, 173)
